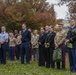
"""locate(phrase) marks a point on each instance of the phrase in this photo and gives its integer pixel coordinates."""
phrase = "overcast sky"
(61, 12)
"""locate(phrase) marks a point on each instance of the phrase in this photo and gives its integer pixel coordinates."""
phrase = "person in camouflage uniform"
(34, 41)
(60, 42)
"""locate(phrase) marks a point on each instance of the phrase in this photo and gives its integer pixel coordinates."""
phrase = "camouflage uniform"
(34, 41)
(60, 40)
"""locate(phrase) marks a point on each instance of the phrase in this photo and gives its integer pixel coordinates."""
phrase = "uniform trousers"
(11, 51)
(25, 50)
(18, 52)
(3, 52)
(72, 59)
(41, 55)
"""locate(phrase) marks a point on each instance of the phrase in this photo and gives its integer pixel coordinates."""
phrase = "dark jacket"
(26, 36)
(42, 38)
(71, 35)
(50, 39)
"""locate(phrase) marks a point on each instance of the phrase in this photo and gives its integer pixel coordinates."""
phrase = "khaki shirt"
(12, 41)
(60, 37)
(34, 40)
(18, 40)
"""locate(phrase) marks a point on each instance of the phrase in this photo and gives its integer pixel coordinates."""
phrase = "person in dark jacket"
(41, 61)
(42, 48)
(71, 44)
(25, 44)
(50, 46)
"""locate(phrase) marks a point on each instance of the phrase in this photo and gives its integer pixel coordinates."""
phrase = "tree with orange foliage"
(35, 13)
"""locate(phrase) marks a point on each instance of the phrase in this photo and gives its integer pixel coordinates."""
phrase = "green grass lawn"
(15, 68)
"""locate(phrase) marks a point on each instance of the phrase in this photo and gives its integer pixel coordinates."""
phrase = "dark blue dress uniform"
(4, 46)
(42, 49)
(71, 35)
(50, 46)
(25, 46)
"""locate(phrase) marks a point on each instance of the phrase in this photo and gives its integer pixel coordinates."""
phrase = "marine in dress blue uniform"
(50, 46)
(25, 45)
(42, 49)
(71, 39)
(41, 61)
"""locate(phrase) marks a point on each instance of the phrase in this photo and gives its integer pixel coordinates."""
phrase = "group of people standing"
(16, 44)
(50, 39)
(40, 45)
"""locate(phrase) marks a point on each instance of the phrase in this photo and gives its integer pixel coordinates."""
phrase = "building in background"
(66, 24)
